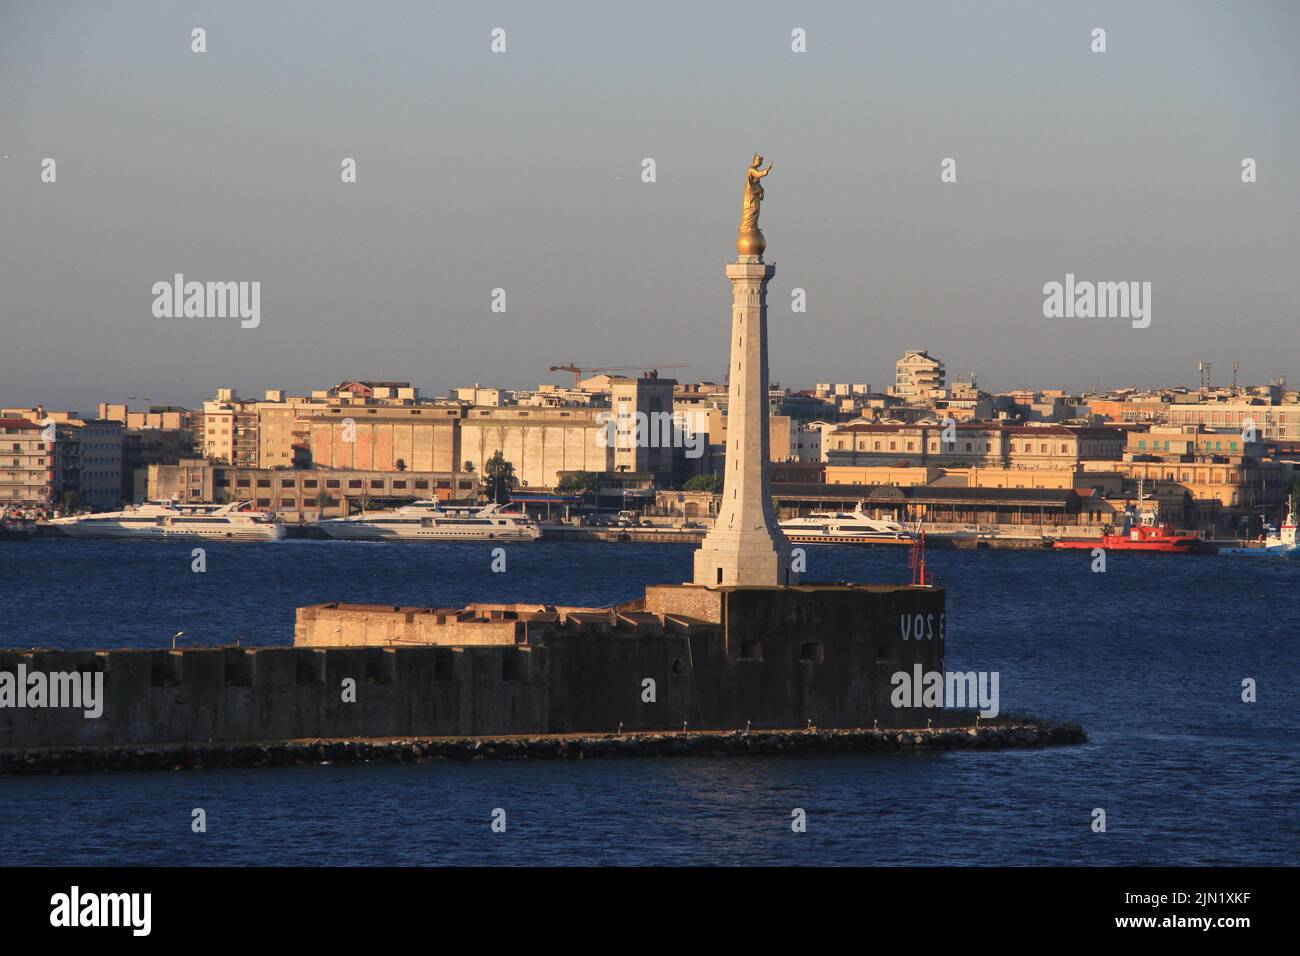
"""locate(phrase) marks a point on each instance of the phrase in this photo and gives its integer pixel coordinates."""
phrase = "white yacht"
(854, 525)
(168, 519)
(428, 520)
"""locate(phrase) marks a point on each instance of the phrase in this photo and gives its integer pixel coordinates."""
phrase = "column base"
(739, 559)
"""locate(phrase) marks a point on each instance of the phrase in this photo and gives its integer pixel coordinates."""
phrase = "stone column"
(746, 546)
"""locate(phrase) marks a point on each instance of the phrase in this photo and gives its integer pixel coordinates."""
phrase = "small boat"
(844, 527)
(16, 527)
(1140, 532)
(429, 520)
(1276, 543)
(236, 521)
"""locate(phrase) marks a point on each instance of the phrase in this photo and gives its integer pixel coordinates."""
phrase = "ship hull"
(109, 530)
(360, 531)
(798, 537)
(1174, 546)
(1276, 551)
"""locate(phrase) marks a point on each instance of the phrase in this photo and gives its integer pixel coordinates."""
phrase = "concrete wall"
(782, 657)
(688, 600)
(430, 443)
(225, 694)
(778, 658)
(540, 443)
(379, 625)
(824, 654)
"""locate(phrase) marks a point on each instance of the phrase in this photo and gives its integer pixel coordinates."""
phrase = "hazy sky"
(522, 171)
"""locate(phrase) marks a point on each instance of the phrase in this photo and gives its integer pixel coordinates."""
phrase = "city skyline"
(478, 171)
(254, 392)
(429, 438)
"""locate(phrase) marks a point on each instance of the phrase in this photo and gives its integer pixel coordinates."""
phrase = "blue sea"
(1149, 656)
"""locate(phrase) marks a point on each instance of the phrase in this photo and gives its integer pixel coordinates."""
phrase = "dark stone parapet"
(998, 734)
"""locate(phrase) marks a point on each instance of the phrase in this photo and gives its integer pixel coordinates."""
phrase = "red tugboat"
(1140, 533)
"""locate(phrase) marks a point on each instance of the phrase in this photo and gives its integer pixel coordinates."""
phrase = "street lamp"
(175, 636)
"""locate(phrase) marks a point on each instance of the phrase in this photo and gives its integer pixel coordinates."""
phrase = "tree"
(711, 483)
(582, 483)
(498, 478)
(323, 499)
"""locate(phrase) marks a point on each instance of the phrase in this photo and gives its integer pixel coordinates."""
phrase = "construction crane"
(579, 370)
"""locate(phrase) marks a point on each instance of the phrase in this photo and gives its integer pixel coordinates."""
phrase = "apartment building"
(88, 463)
(1276, 422)
(227, 430)
(918, 377)
(644, 426)
(1223, 477)
(477, 395)
(987, 444)
(26, 465)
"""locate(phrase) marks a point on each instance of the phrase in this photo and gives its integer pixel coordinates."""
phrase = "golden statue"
(750, 241)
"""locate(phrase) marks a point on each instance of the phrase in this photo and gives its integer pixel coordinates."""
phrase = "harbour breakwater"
(683, 656)
(957, 732)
